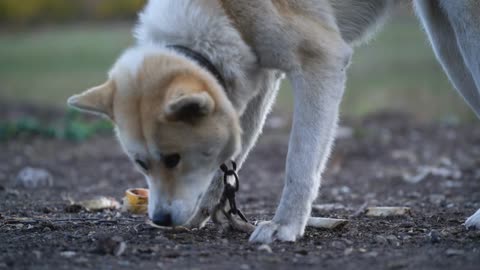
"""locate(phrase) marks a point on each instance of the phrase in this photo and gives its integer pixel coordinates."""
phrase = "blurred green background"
(51, 49)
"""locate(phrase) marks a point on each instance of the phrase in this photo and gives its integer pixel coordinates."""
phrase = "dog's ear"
(98, 100)
(189, 107)
(234, 165)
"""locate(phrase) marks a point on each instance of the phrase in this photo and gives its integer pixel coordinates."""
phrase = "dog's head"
(173, 120)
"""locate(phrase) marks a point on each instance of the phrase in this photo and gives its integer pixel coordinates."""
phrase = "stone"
(68, 254)
(433, 237)
(32, 178)
(265, 248)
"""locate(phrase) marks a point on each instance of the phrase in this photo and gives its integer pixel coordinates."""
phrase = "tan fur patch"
(284, 8)
(235, 19)
(144, 130)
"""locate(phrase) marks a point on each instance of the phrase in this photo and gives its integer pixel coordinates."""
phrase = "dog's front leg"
(318, 88)
(253, 119)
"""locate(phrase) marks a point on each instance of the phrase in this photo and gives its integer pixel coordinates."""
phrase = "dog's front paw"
(269, 231)
(199, 219)
(473, 222)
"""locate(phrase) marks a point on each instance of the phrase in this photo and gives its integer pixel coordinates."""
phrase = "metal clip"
(230, 189)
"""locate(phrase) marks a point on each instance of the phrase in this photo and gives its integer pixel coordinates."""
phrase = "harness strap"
(200, 60)
(229, 190)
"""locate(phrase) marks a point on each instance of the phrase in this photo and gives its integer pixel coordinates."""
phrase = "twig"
(360, 210)
(36, 220)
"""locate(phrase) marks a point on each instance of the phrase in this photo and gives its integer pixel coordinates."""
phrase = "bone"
(326, 223)
(387, 211)
(240, 225)
(221, 218)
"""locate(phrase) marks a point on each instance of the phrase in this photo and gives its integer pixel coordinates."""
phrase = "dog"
(196, 88)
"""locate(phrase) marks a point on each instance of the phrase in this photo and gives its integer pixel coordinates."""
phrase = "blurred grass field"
(395, 71)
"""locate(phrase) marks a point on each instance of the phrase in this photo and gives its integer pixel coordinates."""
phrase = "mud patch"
(38, 229)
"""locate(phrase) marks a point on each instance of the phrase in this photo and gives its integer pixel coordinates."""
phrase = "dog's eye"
(142, 164)
(171, 161)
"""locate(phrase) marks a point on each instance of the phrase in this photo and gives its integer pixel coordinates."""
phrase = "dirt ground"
(375, 163)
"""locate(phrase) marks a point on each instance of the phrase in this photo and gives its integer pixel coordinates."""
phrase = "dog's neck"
(204, 27)
(202, 61)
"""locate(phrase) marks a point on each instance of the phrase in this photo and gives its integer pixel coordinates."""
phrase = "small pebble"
(244, 267)
(12, 192)
(32, 178)
(434, 237)
(348, 251)
(381, 240)
(338, 244)
(111, 246)
(68, 254)
(47, 210)
(454, 252)
(371, 254)
(38, 254)
(81, 260)
(302, 252)
(265, 248)
(392, 239)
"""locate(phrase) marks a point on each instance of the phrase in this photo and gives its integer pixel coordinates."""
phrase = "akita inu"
(196, 88)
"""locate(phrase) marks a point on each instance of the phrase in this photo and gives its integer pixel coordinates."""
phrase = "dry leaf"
(100, 203)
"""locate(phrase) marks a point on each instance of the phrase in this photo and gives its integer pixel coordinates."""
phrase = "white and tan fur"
(163, 103)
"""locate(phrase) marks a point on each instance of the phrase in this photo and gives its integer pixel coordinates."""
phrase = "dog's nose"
(162, 219)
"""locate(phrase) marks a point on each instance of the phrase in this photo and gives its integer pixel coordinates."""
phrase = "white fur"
(314, 59)
(453, 30)
(187, 197)
(129, 63)
(456, 51)
(473, 222)
(203, 26)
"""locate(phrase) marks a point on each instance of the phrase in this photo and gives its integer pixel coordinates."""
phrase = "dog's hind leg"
(464, 15)
(454, 32)
(453, 28)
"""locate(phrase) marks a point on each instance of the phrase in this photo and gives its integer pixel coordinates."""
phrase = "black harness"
(230, 190)
(201, 60)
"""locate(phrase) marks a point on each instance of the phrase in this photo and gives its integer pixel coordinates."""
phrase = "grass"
(73, 126)
(397, 70)
(49, 65)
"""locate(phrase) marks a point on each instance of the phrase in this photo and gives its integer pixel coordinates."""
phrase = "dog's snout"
(162, 219)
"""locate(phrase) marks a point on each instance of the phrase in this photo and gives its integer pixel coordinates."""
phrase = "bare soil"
(371, 167)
